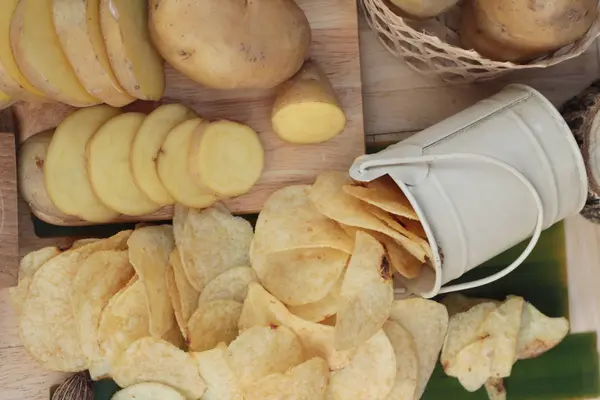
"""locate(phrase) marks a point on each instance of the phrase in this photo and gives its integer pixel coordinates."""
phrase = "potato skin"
(232, 44)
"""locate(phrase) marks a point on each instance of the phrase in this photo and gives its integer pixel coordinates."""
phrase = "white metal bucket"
(484, 180)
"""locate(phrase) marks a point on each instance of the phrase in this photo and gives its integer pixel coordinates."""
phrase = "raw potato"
(137, 65)
(147, 144)
(77, 24)
(173, 171)
(65, 171)
(227, 44)
(40, 57)
(422, 9)
(108, 166)
(306, 109)
(5, 101)
(226, 158)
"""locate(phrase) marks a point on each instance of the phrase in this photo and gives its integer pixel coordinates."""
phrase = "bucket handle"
(537, 231)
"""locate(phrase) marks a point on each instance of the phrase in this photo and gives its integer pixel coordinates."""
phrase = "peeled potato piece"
(146, 146)
(306, 109)
(108, 166)
(77, 24)
(173, 171)
(65, 174)
(137, 65)
(226, 158)
(40, 57)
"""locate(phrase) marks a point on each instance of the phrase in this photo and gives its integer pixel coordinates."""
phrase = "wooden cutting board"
(9, 229)
(335, 48)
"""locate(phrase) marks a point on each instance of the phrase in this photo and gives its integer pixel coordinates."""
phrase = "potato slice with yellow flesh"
(108, 166)
(65, 170)
(5, 100)
(148, 391)
(306, 109)
(78, 27)
(147, 144)
(137, 65)
(173, 167)
(226, 158)
(221, 381)
(40, 56)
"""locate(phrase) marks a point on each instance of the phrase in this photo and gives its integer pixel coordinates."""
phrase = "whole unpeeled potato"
(232, 44)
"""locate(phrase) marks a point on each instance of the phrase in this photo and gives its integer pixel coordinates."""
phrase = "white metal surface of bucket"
(473, 211)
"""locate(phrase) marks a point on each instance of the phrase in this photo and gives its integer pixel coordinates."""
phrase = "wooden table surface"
(397, 102)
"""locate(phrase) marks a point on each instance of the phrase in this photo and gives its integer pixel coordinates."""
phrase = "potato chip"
(473, 364)
(123, 321)
(262, 351)
(175, 300)
(188, 296)
(307, 381)
(230, 285)
(457, 303)
(148, 391)
(154, 360)
(210, 242)
(370, 373)
(300, 276)
(175, 337)
(82, 242)
(47, 325)
(290, 221)
(366, 296)
(413, 226)
(27, 268)
(427, 323)
(407, 365)
(149, 251)
(495, 389)
(539, 333)
(322, 309)
(329, 198)
(329, 321)
(212, 323)
(221, 381)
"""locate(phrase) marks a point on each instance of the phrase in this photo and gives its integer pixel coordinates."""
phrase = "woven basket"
(431, 47)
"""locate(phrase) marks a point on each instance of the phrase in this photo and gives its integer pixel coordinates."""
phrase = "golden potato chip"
(27, 268)
(329, 321)
(427, 322)
(262, 351)
(370, 373)
(82, 242)
(47, 326)
(539, 333)
(495, 389)
(230, 285)
(407, 365)
(329, 198)
(187, 295)
(149, 251)
(175, 337)
(366, 296)
(148, 391)
(175, 300)
(300, 276)
(210, 242)
(322, 309)
(221, 381)
(212, 323)
(458, 303)
(154, 360)
(307, 381)
(413, 226)
(473, 364)
(289, 221)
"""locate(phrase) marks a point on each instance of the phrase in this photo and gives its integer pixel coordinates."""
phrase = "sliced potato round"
(173, 167)
(65, 170)
(221, 381)
(108, 166)
(147, 144)
(230, 285)
(213, 323)
(226, 158)
(148, 391)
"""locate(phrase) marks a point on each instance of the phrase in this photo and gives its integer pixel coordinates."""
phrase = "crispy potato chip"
(329, 198)
(473, 364)
(230, 285)
(427, 323)
(175, 300)
(82, 242)
(262, 351)
(27, 268)
(407, 365)
(210, 242)
(370, 374)
(148, 391)
(322, 309)
(290, 221)
(300, 276)
(413, 226)
(149, 251)
(539, 333)
(212, 323)
(154, 360)
(188, 296)
(366, 296)
(307, 381)
(175, 337)
(47, 326)
(98, 279)
(495, 389)
(329, 321)
(221, 381)
(458, 303)
(123, 321)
